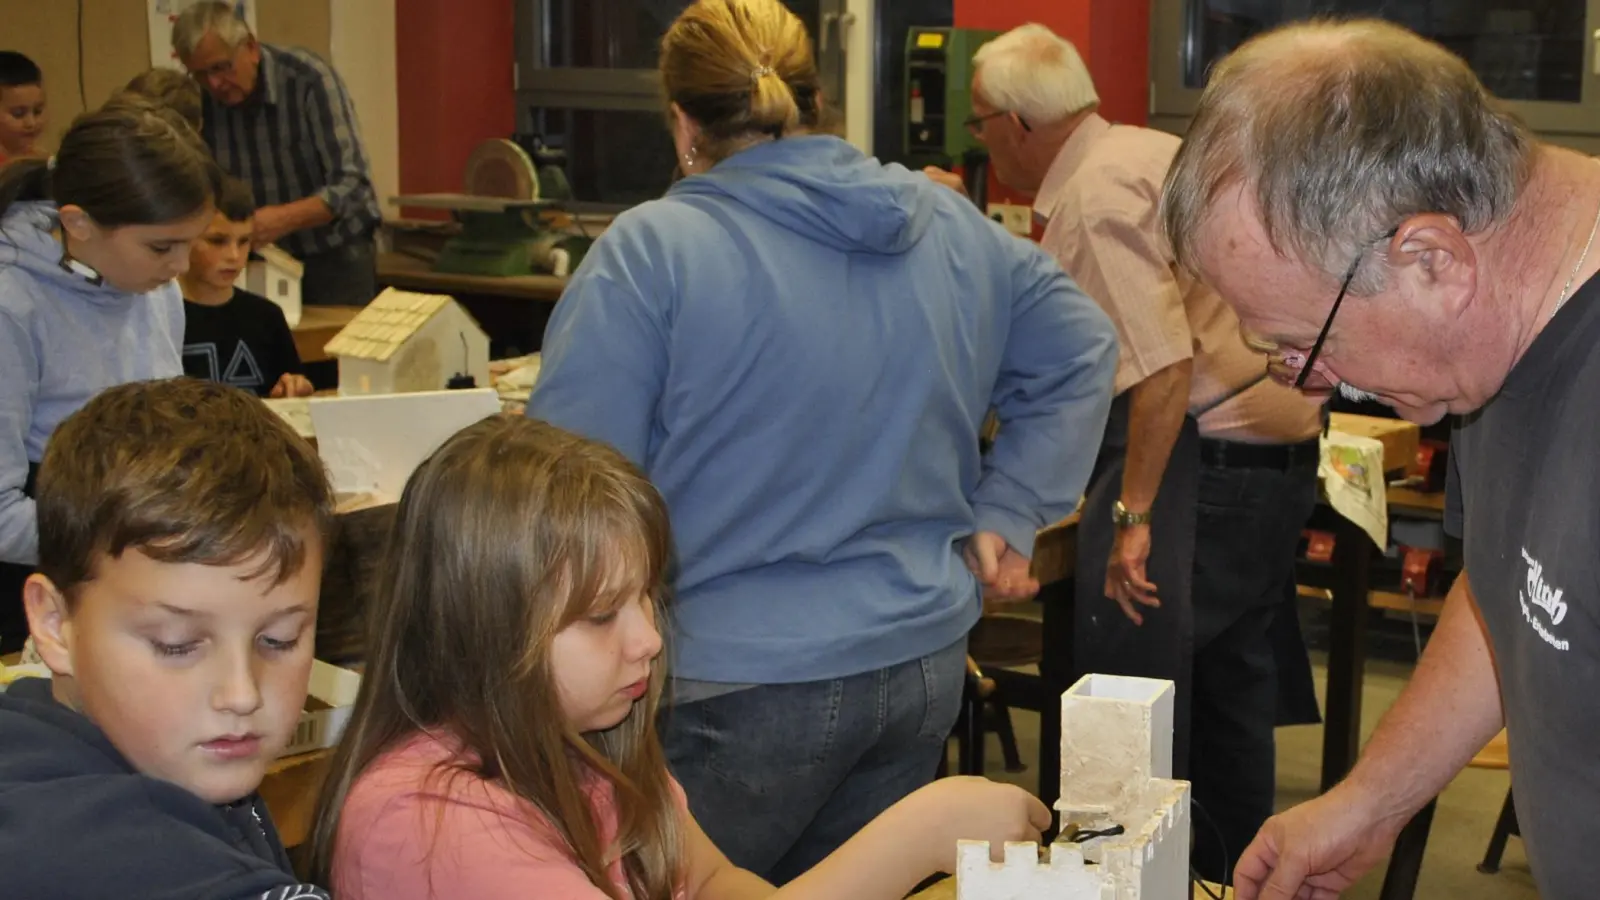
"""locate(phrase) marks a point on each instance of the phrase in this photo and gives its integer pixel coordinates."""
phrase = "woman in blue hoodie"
(90, 242)
(799, 345)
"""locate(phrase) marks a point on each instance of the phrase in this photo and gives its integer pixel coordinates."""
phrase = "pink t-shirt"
(412, 831)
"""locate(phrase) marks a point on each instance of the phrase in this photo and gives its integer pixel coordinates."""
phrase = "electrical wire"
(83, 93)
(1080, 835)
(1222, 844)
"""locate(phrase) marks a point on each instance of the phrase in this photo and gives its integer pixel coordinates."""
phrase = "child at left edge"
(231, 335)
(22, 107)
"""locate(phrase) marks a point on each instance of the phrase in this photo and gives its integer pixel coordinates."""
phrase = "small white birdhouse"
(276, 276)
(403, 342)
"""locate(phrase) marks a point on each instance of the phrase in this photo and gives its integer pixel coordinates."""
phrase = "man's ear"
(49, 622)
(1433, 253)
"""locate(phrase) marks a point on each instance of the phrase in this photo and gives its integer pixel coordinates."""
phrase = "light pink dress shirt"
(1100, 202)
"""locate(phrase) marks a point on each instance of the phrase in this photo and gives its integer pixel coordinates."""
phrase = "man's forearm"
(1445, 715)
(1156, 407)
(309, 212)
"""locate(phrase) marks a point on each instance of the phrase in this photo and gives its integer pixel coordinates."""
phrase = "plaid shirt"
(297, 137)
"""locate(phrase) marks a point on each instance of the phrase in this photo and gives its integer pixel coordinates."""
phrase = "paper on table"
(296, 411)
(1353, 480)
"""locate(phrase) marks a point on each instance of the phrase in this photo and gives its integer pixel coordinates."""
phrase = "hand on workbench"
(946, 178)
(292, 385)
(1125, 575)
(1002, 572)
(1315, 850)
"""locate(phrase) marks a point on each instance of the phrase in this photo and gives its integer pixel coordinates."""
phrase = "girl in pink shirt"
(504, 744)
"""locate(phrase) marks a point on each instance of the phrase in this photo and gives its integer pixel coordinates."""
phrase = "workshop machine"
(515, 213)
(939, 103)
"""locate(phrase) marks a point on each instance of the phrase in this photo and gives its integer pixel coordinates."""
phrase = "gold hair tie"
(760, 72)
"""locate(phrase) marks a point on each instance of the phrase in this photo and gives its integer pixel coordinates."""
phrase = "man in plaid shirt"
(280, 119)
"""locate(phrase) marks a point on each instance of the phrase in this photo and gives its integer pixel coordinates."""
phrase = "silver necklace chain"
(1566, 289)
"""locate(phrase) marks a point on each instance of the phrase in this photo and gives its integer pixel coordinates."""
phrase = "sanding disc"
(500, 168)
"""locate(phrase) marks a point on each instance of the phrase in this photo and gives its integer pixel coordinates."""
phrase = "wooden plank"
(946, 890)
(412, 274)
(1412, 502)
(1399, 437)
(290, 790)
(1055, 551)
(318, 325)
(1386, 600)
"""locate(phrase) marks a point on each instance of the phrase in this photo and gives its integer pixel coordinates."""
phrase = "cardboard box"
(329, 698)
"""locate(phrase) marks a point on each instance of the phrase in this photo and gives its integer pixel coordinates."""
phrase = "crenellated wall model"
(1116, 773)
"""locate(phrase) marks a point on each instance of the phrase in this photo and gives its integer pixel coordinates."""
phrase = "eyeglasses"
(220, 70)
(974, 123)
(1286, 365)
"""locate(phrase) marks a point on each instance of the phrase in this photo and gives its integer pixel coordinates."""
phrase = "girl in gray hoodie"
(90, 242)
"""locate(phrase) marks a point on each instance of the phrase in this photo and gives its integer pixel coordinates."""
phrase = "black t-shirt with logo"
(1525, 499)
(245, 342)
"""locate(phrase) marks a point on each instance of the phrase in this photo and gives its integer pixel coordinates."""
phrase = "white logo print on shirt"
(1542, 594)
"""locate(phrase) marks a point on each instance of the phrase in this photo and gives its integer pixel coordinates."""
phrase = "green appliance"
(939, 93)
(506, 226)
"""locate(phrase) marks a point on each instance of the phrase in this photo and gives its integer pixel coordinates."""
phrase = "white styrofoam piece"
(322, 728)
(296, 411)
(1116, 734)
(1021, 876)
(371, 445)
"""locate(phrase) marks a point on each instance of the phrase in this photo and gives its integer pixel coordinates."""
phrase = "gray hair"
(1338, 131)
(216, 16)
(1035, 73)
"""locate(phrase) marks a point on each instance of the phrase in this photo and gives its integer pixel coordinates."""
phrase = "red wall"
(455, 60)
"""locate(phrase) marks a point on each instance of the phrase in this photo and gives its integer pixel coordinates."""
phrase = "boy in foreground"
(181, 529)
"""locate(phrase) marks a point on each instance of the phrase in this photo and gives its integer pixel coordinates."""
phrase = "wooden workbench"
(318, 325)
(946, 890)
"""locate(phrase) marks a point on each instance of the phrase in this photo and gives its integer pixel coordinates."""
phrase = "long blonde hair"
(508, 533)
(743, 70)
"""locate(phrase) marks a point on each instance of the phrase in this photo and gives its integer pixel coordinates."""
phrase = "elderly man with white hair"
(1381, 224)
(280, 119)
(1208, 469)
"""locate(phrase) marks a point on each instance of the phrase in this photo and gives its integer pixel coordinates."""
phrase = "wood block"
(290, 790)
(1399, 437)
(1055, 551)
(1495, 755)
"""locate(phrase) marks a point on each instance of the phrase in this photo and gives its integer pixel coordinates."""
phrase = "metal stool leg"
(969, 731)
(1504, 828)
(1400, 882)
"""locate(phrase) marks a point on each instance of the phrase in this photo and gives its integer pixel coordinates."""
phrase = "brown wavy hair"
(510, 532)
(743, 70)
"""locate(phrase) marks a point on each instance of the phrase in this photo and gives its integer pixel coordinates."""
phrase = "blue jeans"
(1246, 533)
(780, 775)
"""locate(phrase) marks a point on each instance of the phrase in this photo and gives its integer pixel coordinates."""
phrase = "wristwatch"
(1123, 517)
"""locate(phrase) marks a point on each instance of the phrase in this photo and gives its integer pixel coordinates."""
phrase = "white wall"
(858, 75)
(363, 53)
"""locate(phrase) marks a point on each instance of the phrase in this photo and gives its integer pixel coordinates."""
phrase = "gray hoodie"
(63, 339)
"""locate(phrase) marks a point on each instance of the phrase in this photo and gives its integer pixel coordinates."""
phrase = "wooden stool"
(1405, 864)
(998, 641)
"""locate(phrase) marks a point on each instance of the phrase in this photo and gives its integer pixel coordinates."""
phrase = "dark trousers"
(344, 276)
(13, 620)
(1104, 640)
(781, 775)
(1247, 531)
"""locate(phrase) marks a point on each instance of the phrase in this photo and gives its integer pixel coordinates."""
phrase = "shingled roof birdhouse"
(403, 342)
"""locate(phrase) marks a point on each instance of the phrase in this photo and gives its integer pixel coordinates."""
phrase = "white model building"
(276, 276)
(403, 342)
(1116, 767)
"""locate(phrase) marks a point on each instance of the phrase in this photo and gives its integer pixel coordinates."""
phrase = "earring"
(689, 158)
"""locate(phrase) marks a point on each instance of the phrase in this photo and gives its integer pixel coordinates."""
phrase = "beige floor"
(1461, 828)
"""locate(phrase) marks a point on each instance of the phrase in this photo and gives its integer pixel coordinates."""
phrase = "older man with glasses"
(1381, 225)
(281, 120)
(1208, 469)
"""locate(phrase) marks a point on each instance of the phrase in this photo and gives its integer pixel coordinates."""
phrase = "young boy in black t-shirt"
(231, 335)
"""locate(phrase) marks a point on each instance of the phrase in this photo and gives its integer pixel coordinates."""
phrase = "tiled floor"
(1461, 827)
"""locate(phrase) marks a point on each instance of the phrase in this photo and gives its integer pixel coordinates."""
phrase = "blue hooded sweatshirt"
(800, 347)
(63, 339)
